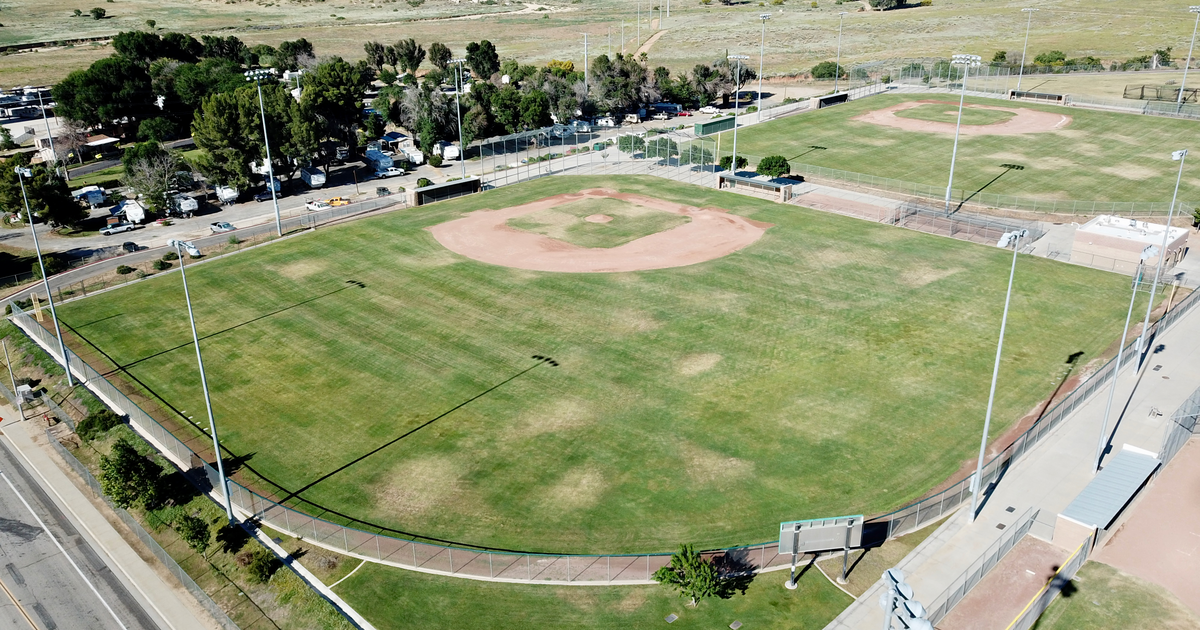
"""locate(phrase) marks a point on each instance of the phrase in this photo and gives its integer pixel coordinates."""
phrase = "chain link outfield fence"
(1181, 428)
(1055, 585)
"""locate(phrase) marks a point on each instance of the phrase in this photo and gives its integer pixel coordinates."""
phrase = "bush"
(54, 263)
(751, 109)
(170, 256)
(125, 270)
(259, 562)
(127, 476)
(160, 265)
(814, 4)
(194, 531)
(630, 144)
(885, 5)
(435, 160)
(423, 182)
(726, 160)
(233, 240)
(96, 424)
(827, 70)
(774, 166)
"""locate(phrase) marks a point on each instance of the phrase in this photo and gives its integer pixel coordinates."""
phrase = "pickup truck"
(221, 226)
(118, 228)
(339, 201)
(317, 205)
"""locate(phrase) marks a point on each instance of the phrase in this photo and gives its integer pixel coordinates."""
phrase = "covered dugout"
(448, 190)
(774, 189)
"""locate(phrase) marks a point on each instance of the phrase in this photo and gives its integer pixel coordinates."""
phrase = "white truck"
(184, 205)
(313, 176)
(226, 194)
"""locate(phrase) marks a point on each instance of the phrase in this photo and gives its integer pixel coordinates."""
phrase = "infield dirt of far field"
(1098, 156)
(833, 366)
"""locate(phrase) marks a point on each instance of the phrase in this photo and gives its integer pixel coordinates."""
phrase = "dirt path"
(484, 236)
(645, 48)
(1024, 120)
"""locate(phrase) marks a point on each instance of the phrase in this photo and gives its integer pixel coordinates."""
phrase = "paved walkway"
(170, 606)
(1051, 474)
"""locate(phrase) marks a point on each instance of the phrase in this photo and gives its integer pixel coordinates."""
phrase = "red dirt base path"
(1024, 120)
(712, 233)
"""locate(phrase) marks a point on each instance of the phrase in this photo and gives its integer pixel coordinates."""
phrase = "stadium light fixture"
(1181, 157)
(737, 93)
(1179, 100)
(212, 424)
(977, 483)
(257, 75)
(967, 62)
(22, 173)
(462, 151)
(837, 65)
(761, 47)
(1028, 22)
(1147, 253)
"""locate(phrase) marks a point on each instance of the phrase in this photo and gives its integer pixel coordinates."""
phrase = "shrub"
(233, 240)
(160, 265)
(435, 160)
(773, 166)
(96, 424)
(751, 109)
(194, 532)
(127, 476)
(259, 562)
(814, 4)
(726, 160)
(170, 256)
(97, 13)
(125, 270)
(630, 144)
(926, 3)
(706, 2)
(827, 70)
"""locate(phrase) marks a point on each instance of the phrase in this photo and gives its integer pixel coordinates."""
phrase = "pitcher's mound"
(711, 233)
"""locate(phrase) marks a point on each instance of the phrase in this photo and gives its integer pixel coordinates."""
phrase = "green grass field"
(394, 598)
(834, 367)
(1104, 598)
(1100, 156)
(629, 222)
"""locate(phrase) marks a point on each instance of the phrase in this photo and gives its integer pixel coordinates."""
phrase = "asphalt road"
(51, 577)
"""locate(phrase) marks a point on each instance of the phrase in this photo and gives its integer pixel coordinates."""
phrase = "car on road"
(118, 228)
(317, 205)
(264, 196)
(221, 226)
(390, 171)
(338, 201)
(129, 246)
(662, 116)
(684, 113)
(709, 109)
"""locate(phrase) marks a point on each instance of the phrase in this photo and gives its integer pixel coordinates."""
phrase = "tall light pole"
(737, 93)
(967, 62)
(1015, 239)
(50, 138)
(585, 63)
(212, 424)
(837, 65)
(22, 173)
(1146, 253)
(458, 87)
(1028, 23)
(1179, 101)
(257, 75)
(639, 26)
(762, 42)
(1181, 157)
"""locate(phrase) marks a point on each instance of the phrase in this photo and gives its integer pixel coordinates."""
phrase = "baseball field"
(816, 366)
(1064, 153)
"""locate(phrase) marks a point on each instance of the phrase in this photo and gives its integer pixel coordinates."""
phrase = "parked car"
(264, 196)
(317, 205)
(684, 113)
(709, 109)
(338, 201)
(129, 246)
(221, 226)
(118, 228)
(662, 116)
(390, 171)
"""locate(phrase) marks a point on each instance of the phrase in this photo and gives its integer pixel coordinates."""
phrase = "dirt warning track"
(484, 236)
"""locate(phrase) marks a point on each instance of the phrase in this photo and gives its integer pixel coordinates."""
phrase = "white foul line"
(60, 548)
(348, 574)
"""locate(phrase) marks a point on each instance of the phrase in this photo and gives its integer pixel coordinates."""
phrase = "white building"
(1116, 243)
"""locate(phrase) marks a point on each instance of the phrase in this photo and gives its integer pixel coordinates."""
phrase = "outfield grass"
(1100, 156)
(395, 598)
(949, 114)
(1104, 598)
(834, 367)
(629, 222)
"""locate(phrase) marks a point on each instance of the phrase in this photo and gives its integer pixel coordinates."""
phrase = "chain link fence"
(958, 589)
(1181, 428)
(1040, 602)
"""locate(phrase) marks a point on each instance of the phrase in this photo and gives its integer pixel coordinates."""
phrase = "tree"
(49, 198)
(6, 140)
(1164, 56)
(409, 55)
(726, 160)
(230, 48)
(1052, 58)
(111, 89)
(77, 12)
(139, 46)
(127, 476)
(695, 154)
(194, 531)
(150, 171)
(97, 13)
(96, 424)
(630, 144)
(827, 70)
(373, 125)
(158, 129)
(774, 166)
(375, 54)
(181, 46)
(690, 574)
(535, 110)
(228, 128)
(482, 59)
(150, 24)
(1000, 57)
(292, 54)
(440, 56)
(332, 95)
(506, 108)
(661, 147)
(886, 5)
(620, 83)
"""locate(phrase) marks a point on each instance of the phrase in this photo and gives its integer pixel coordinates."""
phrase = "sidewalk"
(1054, 472)
(169, 606)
